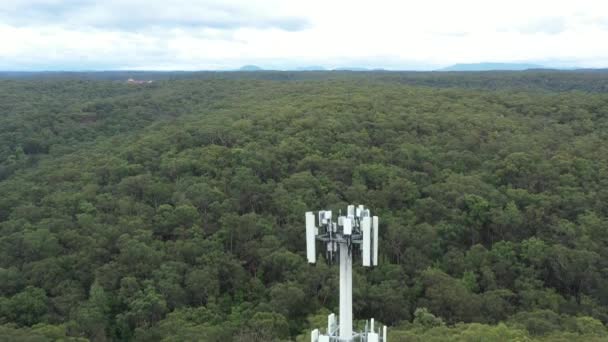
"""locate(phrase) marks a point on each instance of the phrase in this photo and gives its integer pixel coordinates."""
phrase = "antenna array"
(353, 233)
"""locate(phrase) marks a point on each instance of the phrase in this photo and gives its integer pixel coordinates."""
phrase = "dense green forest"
(174, 211)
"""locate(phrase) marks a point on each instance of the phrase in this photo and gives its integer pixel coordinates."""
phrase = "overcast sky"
(204, 34)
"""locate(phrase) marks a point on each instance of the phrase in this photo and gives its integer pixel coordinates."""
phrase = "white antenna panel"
(375, 241)
(366, 243)
(314, 335)
(331, 324)
(350, 211)
(321, 218)
(358, 212)
(311, 231)
(341, 220)
(348, 226)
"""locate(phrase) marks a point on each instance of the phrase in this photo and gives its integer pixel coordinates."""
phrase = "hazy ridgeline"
(175, 210)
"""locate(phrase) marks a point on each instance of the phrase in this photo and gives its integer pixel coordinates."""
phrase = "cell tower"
(355, 232)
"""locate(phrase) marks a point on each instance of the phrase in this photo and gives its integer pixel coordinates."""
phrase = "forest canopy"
(174, 210)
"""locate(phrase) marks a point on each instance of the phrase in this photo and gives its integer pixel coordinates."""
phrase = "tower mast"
(357, 232)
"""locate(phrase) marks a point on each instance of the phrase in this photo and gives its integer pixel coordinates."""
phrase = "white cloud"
(182, 34)
(136, 15)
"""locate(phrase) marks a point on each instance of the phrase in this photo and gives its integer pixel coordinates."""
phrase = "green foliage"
(27, 307)
(423, 318)
(37, 333)
(174, 211)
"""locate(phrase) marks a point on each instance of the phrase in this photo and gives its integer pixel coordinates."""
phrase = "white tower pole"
(346, 293)
(343, 307)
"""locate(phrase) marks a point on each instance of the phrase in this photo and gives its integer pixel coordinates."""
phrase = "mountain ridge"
(492, 66)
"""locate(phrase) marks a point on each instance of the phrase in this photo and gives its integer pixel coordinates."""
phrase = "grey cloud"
(134, 15)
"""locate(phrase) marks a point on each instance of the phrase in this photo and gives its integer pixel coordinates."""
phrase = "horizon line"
(301, 69)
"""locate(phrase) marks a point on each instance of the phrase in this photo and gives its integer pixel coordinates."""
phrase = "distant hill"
(351, 69)
(250, 68)
(491, 67)
(311, 68)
